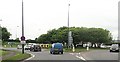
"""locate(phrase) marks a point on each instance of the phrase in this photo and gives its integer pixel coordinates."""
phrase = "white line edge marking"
(30, 57)
(80, 57)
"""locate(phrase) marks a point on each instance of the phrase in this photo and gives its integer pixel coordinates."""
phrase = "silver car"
(114, 47)
(19, 46)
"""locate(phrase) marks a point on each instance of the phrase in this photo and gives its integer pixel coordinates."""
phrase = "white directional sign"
(23, 42)
(70, 40)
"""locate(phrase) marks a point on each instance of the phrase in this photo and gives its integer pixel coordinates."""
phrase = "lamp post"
(68, 26)
(22, 37)
(70, 39)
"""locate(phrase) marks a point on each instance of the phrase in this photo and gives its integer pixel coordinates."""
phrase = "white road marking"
(32, 56)
(71, 53)
(76, 55)
(80, 57)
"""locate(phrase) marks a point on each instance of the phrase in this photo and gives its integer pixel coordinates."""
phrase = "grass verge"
(18, 57)
(3, 52)
(83, 49)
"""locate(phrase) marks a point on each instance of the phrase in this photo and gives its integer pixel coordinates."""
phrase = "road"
(100, 55)
(45, 55)
(80, 57)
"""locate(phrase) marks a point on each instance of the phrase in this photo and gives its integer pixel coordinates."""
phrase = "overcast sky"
(43, 15)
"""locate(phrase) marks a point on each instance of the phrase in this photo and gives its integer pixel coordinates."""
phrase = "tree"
(0, 33)
(79, 34)
(5, 34)
(17, 40)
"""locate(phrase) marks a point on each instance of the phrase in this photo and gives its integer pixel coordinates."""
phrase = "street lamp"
(22, 37)
(70, 40)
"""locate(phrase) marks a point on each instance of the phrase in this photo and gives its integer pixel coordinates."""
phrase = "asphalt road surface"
(45, 55)
(80, 57)
(100, 55)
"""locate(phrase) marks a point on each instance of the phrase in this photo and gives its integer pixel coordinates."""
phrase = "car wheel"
(62, 52)
(30, 49)
(39, 50)
(50, 52)
(110, 50)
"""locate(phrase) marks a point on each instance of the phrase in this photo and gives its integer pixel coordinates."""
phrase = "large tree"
(79, 34)
(5, 34)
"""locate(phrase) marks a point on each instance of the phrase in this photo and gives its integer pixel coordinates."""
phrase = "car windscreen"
(57, 46)
(115, 45)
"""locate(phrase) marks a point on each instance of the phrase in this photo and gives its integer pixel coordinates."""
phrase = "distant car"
(19, 46)
(114, 47)
(27, 46)
(56, 48)
(103, 46)
(35, 47)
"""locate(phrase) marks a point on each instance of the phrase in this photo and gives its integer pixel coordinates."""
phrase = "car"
(103, 46)
(35, 47)
(19, 46)
(27, 46)
(114, 47)
(56, 48)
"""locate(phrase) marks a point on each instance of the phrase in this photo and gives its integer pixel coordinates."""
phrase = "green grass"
(83, 49)
(99, 48)
(9, 46)
(76, 50)
(18, 57)
(6, 45)
(3, 52)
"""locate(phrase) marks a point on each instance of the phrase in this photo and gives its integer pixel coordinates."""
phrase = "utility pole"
(22, 37)
(68, 25)
(70, 39)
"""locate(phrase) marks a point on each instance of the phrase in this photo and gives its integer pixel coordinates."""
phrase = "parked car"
(19, 46)
(56, 48)
(35, 47)
(114, 47)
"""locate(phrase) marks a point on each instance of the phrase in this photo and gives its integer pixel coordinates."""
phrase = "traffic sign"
(22, 38)
(23, 42)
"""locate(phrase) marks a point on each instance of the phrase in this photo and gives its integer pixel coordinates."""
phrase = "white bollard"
(4, 45)
(87, 48)
(73, 49)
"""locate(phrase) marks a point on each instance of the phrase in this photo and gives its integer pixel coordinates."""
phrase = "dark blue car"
(56, 48)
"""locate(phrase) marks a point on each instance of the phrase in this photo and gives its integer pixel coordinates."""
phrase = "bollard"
(73, 49)
(4, 45)
(87, 48)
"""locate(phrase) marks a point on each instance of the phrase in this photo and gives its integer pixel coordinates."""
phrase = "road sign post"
(23, 42)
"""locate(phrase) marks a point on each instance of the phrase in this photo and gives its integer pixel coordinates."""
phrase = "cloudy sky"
(43, 15)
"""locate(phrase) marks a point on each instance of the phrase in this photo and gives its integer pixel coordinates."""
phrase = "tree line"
(4, 34)
(79, 34)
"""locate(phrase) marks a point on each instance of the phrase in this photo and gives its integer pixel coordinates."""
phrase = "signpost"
(23, 37)
(70, 39)
(23, 40)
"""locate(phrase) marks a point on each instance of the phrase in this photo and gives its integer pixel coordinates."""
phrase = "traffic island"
(15, 56)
